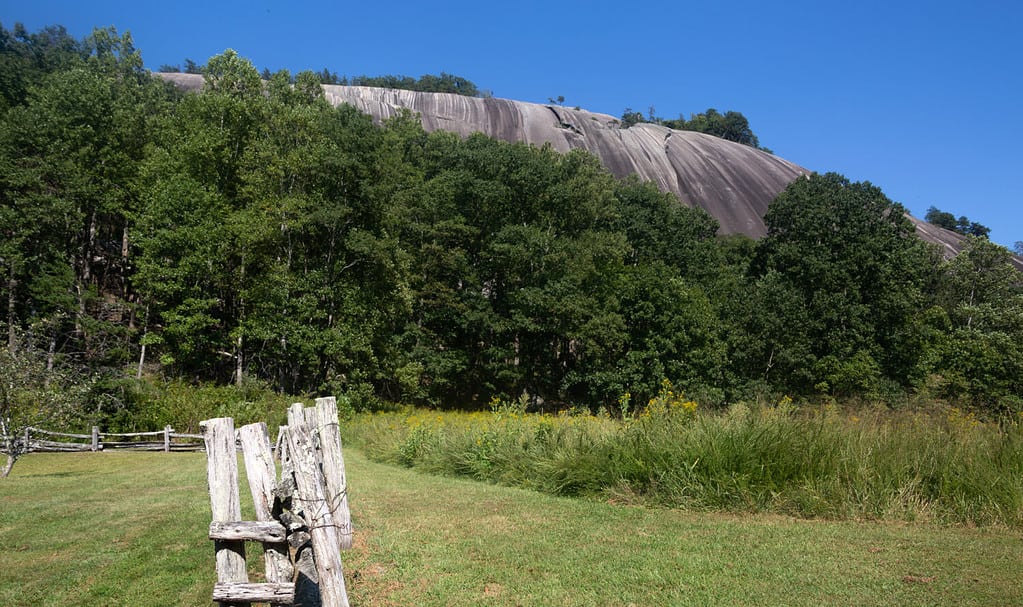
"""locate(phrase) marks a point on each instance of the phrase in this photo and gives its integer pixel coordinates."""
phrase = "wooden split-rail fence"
(36, 439)
(302, 517)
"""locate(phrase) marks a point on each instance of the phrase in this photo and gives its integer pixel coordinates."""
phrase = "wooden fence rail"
(167, 440)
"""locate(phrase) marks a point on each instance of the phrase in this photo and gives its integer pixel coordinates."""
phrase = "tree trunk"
(969, 320)
(239, 364)
(124, 258)
(7, 467)
(90, 242)
(12, 300)
(80, 314)
(142, 361)
(10, 444)
(51, 353)
(142, 353)
(239, 360)
(83, 280)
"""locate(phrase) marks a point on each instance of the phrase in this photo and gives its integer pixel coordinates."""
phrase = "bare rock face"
(186, 82)
(732, 182)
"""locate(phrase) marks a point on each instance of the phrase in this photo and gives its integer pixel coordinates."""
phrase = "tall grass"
(819, 463)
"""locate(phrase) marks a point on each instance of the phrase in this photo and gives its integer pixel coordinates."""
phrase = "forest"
(253, 235)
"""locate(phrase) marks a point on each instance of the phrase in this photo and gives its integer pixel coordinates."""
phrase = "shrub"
(182, 406)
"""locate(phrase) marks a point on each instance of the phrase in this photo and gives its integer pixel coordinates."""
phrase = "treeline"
(427, 83)
(254, 233)
(961, 224)
(731, 126)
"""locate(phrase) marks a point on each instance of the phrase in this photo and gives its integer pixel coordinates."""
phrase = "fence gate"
(303, 520)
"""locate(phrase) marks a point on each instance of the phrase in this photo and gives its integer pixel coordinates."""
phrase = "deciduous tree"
(980, 356)
(35, 391)
(849, 255)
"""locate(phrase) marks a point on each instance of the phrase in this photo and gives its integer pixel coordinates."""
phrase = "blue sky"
(920, 98)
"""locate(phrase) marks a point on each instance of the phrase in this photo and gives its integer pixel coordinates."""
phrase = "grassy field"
(130, 529)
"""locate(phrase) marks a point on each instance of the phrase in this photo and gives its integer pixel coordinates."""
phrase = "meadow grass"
(821, 462)
(130, 529)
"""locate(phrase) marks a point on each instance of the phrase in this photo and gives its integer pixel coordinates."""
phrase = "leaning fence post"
(327, 428)
(166, 438)
(262, 475)
(311, 495)
(95, 438)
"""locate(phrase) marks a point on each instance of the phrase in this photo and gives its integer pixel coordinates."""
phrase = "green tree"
(233, 75)
(511, 253)
(849, 255)
(663, 326)
(447, 83)
(35, 391)
(25, 57)
(631, 118)
(429, 83)
(980, 357)
(328, 77)
(532, 272)
(660, 229)
(731, 125)
(770, 341)
(962, 225)
(262, 247)
(70, 158)
(189, 270)
(941, 218)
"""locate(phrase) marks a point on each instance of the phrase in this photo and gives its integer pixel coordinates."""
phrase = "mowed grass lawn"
(130, 529)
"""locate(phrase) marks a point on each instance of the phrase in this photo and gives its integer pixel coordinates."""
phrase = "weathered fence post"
(262, 475)
(28, 440)
(327, 427)
(95, 438)
(307, 591)
(311, 495)
(166, 438)
(222, 474)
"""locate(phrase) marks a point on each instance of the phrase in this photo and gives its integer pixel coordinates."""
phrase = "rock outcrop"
(732, 182)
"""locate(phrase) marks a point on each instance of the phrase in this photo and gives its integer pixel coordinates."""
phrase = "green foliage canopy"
(842, 262)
